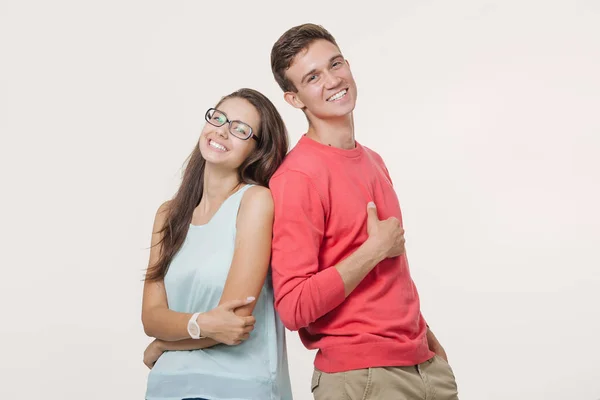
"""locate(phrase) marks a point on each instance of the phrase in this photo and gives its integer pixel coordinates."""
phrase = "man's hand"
(435, 346)
(439, 350)
(221, 323)
(387, 236)
(152, 353)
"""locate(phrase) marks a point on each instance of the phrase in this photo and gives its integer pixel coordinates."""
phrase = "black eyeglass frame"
(210, 121)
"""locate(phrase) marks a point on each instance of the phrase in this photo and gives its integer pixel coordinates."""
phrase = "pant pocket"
(445, 364)
(357, 383)
(316, 378)
(325, 386)
(444, 380)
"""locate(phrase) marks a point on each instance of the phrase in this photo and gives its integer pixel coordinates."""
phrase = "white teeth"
(338, 95)
(217, 145)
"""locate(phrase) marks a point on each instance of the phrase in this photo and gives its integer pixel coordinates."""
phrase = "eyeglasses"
(239, 129)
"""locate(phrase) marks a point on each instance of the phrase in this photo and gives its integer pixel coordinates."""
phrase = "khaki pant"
(431, 380)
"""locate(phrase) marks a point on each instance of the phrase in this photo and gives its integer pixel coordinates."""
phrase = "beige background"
(486, 112)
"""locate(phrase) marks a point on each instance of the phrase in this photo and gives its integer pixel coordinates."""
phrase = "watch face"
(193, 329)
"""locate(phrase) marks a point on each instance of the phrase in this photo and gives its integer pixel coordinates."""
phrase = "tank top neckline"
(234, 194)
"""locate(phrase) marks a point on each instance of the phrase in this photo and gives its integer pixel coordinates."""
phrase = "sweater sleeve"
(304, 290)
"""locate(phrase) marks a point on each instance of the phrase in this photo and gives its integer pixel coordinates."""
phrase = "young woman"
(208, 298)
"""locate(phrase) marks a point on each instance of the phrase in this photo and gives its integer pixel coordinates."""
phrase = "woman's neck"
(218, 185)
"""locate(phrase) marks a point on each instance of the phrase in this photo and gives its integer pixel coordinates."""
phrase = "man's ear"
(347, 62)
(293, 100)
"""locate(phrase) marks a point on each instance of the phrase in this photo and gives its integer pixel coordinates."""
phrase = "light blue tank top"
(257, 369)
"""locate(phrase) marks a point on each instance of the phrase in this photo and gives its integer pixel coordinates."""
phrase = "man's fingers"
(372, 217)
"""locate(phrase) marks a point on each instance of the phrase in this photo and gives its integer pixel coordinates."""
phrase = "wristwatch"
(193, 328)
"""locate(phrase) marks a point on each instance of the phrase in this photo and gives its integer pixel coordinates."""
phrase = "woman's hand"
(153, 352)
(224, 326)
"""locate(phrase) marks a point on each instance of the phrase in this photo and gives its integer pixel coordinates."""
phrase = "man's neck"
(333, 132)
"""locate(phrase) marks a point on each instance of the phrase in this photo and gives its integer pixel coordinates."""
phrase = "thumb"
(233, 304)
(372, 217)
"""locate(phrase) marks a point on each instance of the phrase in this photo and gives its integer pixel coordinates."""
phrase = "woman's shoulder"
(257, 191)
(257, 200)
(161, 214)
(164, 207)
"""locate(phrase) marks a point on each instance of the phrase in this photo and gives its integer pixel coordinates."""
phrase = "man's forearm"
(354, 268)
(311, 298)
(187, 344)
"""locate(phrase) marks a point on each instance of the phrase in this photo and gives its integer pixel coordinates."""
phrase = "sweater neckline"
(348, 153)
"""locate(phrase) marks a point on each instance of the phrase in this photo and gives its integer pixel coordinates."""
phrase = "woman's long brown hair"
(256, 169)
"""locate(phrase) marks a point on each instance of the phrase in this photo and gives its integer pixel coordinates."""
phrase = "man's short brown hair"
(292, 42)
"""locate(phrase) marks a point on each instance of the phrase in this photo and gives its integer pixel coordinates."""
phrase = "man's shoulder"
(302, 161)
(373, 154)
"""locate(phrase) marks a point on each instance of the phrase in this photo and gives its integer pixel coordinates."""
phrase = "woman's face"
(218, 145)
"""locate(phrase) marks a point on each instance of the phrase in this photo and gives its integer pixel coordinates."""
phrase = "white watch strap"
(199, 330)
(194, 321)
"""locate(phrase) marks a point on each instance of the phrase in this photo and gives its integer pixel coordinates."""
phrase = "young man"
(340, 273)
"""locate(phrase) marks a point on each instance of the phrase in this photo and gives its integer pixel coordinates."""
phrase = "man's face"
(326, 87)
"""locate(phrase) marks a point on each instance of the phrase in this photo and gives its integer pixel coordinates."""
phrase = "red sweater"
(321, 195)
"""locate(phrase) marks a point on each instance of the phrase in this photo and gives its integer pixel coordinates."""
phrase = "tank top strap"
(232, 204)
(242, 190)
(237, 196)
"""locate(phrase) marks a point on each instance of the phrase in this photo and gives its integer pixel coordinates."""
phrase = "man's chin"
(341, 112)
